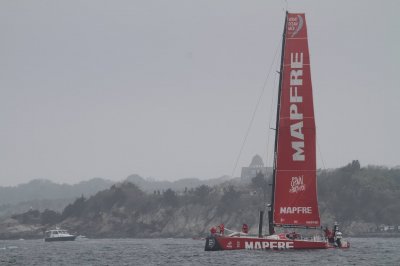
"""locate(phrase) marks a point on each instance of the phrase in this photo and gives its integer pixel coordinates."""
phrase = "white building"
(256, 165)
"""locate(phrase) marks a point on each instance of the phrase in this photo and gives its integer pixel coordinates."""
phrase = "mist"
(166, 89)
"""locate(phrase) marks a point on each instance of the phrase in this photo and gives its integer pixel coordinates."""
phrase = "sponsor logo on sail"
(297, 184)
(296, 100)
(295, 210)
(295, 24)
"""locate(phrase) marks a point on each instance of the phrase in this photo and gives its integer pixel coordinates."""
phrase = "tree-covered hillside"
(370, 194)
(360, 199)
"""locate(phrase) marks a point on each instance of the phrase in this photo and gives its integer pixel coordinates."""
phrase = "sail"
(295, 196)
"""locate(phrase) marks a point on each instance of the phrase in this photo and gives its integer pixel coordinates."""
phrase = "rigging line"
(320, 155)
(255, 111)
(316, 106)
(287, 5)
(270, 120)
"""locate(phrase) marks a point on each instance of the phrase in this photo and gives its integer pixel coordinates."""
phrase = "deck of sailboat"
(221, 242)
(272, 238)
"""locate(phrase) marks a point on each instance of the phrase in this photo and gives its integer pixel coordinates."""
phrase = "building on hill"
(256, 165)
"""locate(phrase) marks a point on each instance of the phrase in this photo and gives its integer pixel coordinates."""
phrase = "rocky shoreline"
(362, 200)
(185, 222)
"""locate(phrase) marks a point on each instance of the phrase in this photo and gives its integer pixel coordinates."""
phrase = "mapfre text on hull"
(217, 243)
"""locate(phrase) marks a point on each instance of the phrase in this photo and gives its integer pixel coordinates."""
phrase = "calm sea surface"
(364, 251)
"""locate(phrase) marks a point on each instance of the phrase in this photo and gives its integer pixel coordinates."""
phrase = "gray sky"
(166, 89)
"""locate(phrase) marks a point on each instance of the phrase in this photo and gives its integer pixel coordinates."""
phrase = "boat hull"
(64, 238)
(216, 243)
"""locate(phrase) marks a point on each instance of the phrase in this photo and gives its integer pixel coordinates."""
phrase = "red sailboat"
(294, 191)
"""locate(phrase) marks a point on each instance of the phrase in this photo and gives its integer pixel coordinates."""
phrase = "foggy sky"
(166, 89)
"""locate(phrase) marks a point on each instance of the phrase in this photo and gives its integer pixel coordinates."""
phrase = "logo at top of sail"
(299, 23)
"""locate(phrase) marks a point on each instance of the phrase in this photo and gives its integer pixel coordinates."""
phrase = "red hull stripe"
(233, 243)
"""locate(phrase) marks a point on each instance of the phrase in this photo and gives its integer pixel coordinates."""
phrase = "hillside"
(361, 199)
(40, 189)
(149, 185)
(41, 194)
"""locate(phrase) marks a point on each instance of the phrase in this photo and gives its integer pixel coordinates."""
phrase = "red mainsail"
(295, 200)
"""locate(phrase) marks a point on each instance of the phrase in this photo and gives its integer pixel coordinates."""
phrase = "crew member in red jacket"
(221, 229)
(245, 229)
(213, 230)
(330, 235)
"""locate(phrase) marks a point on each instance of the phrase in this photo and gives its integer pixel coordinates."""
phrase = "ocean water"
(363, 251)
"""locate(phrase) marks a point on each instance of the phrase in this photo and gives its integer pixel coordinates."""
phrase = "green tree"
(260, 183)
(75, 209)
(50, 217)
(230, 200)
(170, 198)
(201, 193)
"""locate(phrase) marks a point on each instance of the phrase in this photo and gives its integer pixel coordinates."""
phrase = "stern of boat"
(212, 244)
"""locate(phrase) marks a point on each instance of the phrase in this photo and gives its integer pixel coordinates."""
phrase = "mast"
(271, 210)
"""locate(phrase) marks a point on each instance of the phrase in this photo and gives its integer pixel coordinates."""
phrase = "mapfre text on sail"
(296, 210)
(296, 118)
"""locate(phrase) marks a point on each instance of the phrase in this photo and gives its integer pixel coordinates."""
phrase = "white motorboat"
(58, 235)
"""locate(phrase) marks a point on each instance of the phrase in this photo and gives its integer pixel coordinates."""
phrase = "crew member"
(337, 235)
(213, 230)
(329, 235)
(245, 228)
(335, 228)
(338, 241)
(293, 235)
(221, 229)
